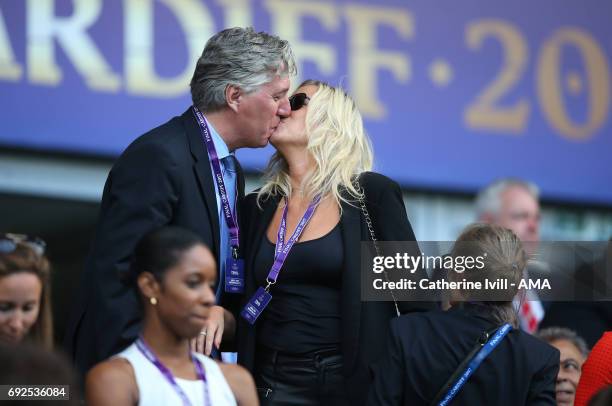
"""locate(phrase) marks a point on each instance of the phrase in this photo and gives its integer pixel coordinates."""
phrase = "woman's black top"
(304, 313)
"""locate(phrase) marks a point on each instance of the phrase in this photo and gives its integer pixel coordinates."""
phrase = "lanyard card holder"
(256, 305)
(234, 275)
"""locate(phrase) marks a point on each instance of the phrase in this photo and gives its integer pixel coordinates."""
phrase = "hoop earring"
(153, 301)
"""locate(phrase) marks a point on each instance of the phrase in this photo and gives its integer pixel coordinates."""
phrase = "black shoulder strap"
(370, 225)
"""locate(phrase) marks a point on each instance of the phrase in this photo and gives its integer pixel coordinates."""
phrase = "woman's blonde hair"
(26, 259)
(337, 142)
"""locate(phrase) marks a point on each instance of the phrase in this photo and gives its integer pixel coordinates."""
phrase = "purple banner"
(454, 93)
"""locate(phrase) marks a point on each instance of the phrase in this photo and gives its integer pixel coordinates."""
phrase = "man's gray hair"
(488, 200)
(551, 334)
(240, 57)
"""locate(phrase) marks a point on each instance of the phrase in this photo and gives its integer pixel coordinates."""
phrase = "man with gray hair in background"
(514, 204)
(183, 173)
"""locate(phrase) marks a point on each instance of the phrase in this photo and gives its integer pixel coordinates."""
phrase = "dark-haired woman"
(425, 351)
(175, 274)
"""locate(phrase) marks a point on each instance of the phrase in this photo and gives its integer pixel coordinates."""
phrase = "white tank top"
(154, 389)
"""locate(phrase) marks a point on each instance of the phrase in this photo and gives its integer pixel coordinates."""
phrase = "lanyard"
(258, 302)
(146, 351)
(475, 363)
(282, 249)
(230, 218)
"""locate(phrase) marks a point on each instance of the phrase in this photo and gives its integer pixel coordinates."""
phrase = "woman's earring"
(153, 301)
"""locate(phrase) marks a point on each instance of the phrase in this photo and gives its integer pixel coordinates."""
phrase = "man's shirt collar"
(220, 146)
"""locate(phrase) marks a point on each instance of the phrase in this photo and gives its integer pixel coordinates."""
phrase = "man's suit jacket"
(162, 178)
(364, 325)
(424, 350)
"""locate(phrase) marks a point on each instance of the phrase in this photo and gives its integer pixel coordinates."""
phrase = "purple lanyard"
(230, 218)
(146, 351)
(282, 250)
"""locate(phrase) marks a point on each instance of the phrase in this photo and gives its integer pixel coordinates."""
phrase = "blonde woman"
(313, 342)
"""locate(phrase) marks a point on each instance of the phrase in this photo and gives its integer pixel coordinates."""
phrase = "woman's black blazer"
(365, 325)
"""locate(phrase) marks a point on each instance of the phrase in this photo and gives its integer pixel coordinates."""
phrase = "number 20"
(486, 113)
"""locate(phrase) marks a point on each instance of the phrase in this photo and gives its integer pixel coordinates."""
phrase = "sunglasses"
(9, 243)
(298, 100)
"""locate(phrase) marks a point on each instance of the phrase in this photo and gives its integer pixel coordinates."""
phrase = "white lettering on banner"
(365, 59)
(237, 13)
(551, 92)
(9, 68)
(287, 23)
(43, 28)
(487, 111)
(344, 30)
(195, 21)
(46, 31)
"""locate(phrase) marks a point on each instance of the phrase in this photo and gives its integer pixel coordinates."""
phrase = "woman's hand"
(212, 333)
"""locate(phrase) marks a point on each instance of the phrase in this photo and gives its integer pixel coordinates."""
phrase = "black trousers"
(306, 380)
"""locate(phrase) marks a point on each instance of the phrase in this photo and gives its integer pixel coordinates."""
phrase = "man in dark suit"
(165, 177)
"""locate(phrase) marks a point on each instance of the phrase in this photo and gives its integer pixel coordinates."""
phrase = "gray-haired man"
(183, 173)
(514, 204)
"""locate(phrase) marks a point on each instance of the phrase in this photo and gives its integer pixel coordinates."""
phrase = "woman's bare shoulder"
(111, 381)
(235, 373)
(241, 383)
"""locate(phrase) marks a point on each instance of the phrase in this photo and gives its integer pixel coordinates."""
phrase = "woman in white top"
(175, 274)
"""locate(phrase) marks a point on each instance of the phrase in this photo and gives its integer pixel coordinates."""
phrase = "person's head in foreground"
(321, 146)
(242, 78)
(25, 307)
(504, 259)
(574, 352)
(174, 274)
(29, 364)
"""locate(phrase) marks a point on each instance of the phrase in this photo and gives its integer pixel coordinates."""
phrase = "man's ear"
(148, 285)
(233, 97)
